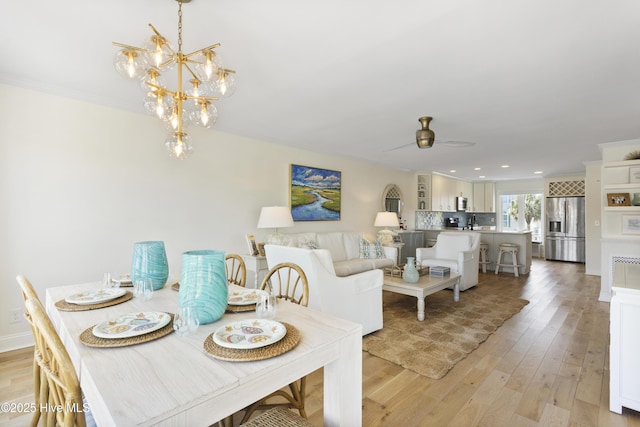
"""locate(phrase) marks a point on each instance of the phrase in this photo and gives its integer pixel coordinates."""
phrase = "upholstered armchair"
(458, 250)
(357, 297)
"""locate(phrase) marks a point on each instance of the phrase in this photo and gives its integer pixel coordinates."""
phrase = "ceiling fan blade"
(437, 143)
(455, 144)
(400, 147)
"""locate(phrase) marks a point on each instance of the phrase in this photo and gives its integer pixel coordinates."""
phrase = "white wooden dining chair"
(286, 281)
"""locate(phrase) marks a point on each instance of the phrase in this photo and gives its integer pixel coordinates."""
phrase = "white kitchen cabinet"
(442, 193)
(624, 378)
(483, 197)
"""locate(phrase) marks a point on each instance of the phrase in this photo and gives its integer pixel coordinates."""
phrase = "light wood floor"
(547, 365)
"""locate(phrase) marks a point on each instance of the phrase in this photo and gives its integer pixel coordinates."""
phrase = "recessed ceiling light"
(482, 176)
(476, 169)
(538, 172)
(504, 166)
(452, 171)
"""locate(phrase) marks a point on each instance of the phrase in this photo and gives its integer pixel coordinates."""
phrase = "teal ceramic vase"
(150, 261)
(203, 284)
(410, 274)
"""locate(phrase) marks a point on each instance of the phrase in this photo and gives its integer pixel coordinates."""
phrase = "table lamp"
(276, 217)
(386, 220)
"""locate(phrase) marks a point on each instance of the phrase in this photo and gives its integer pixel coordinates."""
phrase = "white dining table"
(173, 381)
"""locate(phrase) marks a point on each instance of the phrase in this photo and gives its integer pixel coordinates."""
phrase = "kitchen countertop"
(479, 230)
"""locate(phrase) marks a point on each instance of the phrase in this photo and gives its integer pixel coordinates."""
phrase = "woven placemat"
(63, 305)
(290, 340)
(87, 338)
(240, 308)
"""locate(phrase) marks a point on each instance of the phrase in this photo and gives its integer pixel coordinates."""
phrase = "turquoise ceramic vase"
(150, 261)
(203, 284)
(410, 274)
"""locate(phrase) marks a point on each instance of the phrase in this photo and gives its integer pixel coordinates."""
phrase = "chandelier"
(208, 80)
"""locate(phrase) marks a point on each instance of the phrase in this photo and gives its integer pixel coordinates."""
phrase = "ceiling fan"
(425, 137)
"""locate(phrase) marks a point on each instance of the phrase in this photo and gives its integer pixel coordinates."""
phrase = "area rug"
(448, 334)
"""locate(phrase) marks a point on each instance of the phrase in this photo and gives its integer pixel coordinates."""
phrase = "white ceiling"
(535, 84)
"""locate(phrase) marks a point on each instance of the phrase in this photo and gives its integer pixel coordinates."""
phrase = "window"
(514, 218)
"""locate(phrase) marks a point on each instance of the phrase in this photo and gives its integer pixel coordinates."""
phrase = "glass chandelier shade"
(201, 79)
(179, 145)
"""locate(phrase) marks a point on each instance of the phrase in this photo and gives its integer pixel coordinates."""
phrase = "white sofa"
(458, 250)
(357, 296)
(345, 251)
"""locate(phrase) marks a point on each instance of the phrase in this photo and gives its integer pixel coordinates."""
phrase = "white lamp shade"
(275, 217)
(386, 219)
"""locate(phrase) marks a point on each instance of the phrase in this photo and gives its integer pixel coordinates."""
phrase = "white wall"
(83, 182)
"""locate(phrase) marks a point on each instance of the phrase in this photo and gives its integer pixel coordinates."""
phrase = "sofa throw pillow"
(309, 244)
(371, 249)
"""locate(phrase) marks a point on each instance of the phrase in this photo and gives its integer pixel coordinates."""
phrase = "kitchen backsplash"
(429, 219)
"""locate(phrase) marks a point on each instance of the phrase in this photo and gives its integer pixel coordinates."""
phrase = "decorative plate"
(245, 296)
(123, 280)
(132, 324)
(251, 333)
(95, 296)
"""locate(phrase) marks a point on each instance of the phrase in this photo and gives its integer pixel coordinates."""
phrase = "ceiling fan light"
(425, 137)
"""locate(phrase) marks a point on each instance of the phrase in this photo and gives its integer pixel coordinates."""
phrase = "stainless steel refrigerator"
(564, 229)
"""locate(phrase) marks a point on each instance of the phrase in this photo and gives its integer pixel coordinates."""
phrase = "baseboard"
(15, 341)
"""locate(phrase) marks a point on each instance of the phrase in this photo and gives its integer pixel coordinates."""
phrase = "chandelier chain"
(180, 26)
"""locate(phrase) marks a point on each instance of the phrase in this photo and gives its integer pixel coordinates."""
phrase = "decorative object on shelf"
(386, 220)
(261, 251)
(635, 200)
(618, 199)
(315, 194)
(634, 175)
(251, 244)
(634, 155)
(631, 224)
(203, 284)
(275, 217)
(203, 67)
(410, 274)
(150, 262)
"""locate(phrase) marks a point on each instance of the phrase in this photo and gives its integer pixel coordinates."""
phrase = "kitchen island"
(494, 238)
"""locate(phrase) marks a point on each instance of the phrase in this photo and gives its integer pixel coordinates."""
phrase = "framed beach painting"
(315, 194)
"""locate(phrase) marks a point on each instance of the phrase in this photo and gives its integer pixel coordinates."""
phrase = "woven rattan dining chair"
(236, 270)
(39, 381)
(54, 361)
(286, 281)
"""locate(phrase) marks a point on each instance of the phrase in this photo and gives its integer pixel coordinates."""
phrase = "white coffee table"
(425, 286)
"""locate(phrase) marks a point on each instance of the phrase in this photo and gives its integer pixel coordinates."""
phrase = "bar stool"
(512, 249)
(484, 250)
